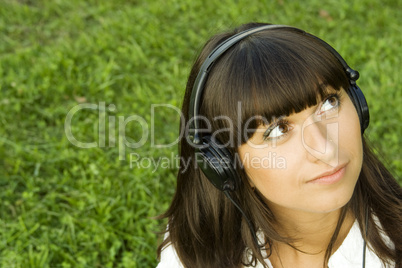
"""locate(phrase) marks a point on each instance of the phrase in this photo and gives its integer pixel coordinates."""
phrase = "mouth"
(331, 176)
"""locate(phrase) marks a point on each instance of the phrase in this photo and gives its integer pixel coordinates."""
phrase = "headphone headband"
(198, 87)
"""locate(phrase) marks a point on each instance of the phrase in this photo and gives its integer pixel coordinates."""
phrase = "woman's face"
(308, 161)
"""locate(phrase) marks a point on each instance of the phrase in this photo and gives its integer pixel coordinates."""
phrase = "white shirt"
(348, 255)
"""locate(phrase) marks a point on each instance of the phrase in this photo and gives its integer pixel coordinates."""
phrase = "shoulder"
(169, 258)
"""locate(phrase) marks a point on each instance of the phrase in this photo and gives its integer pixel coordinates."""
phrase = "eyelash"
(276, 124)
(283, 121)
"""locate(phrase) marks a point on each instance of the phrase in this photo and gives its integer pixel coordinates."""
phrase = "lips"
(330, 176)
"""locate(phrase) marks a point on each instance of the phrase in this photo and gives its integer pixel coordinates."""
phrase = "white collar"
(349, 254)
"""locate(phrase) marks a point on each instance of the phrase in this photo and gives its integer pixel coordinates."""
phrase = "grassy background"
(65, 206)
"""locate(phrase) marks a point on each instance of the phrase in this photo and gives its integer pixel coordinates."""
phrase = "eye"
(330, 103)
(278, 130)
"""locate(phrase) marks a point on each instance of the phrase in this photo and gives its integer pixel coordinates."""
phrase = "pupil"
(332, 101)
(282, 128)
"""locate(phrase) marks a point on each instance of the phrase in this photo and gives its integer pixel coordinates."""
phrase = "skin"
(319, 139)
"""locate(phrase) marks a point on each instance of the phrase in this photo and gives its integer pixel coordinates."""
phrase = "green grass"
(64, 206)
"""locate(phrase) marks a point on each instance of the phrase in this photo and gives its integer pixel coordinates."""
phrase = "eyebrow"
(327, 89)
(323, 85)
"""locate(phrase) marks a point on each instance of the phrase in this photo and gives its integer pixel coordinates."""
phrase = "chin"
(332, 204)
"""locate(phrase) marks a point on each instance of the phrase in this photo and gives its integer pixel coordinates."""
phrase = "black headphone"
(212, 157)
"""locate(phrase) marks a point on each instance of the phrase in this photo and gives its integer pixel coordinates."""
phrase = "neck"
(312, 233)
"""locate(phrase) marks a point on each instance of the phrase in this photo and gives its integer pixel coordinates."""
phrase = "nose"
(320, 140)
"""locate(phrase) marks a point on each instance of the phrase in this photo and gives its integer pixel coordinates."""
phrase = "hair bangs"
(266, 76)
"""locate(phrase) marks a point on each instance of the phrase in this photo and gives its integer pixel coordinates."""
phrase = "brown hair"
(204, 227)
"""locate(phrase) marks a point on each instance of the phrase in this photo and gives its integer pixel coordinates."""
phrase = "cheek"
(350, 140)
(273, 174)
(272, 184)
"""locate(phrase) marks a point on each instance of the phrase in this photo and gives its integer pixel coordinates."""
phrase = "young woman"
(280, 173)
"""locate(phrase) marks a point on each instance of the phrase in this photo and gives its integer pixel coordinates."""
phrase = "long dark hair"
(204, 227)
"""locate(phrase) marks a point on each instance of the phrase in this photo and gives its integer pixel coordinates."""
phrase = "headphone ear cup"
(216, 162)
(358, 99)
